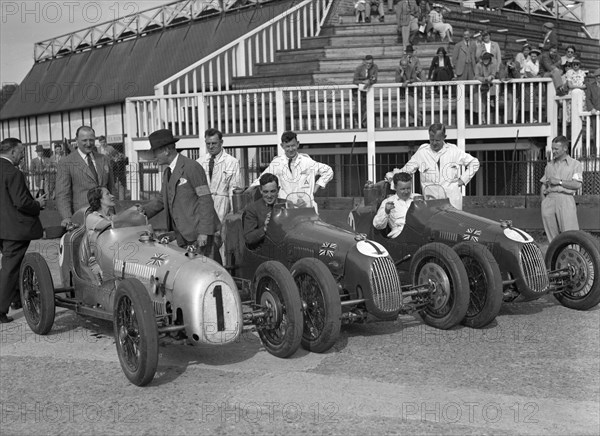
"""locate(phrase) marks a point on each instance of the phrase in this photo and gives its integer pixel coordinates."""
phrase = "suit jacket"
(74, 179)
(187, 201)
(253, 220)
(550, 39)
(19, 213)
(463, 56)
(592, 96)
(494, 49)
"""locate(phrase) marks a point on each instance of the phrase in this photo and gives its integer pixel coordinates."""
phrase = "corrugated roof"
(130, 68)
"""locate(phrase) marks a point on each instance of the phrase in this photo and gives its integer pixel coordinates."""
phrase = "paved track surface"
(535, 370)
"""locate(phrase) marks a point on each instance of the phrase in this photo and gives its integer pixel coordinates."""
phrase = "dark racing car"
(342, 276)
(503, 262)
(149, 286)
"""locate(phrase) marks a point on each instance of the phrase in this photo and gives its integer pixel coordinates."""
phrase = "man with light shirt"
(392, 212)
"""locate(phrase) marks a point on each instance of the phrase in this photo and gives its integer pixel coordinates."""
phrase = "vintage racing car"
(503, 262)
(149, 287)
(342, 276)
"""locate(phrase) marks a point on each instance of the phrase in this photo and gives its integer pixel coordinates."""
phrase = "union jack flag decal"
(158, 259)
(327, 249)
(472, 235)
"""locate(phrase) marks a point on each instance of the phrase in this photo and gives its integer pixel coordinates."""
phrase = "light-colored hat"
(549, 25)
(536, 51)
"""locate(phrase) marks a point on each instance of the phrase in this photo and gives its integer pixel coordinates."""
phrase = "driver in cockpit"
(393, 209)
(257, 215)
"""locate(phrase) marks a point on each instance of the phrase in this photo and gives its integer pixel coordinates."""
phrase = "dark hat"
(487, 55)
(160, 138)
(549, 25)
(409, 49)
(595, 73)
(39, 147)
(485, 32)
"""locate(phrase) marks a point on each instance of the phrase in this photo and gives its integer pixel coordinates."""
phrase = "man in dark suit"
(550, 36)
(19, 216)
(257, 215)
(79, 172)
(185, 197)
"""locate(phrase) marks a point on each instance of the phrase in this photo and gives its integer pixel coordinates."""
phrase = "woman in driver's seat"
(98, 218)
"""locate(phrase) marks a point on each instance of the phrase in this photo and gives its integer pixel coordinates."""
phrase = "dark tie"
(211, 166)
(90, 163)
(290, 163)
(168, 174)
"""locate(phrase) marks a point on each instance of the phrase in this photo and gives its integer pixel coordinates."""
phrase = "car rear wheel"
(37, 293)
(320, 302)
(485, 283)
(580, 252)
(136, 333)
(439, 264)
(277, 293)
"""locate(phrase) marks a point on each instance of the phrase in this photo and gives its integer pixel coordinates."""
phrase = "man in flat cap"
(185, 197)
(550, 37)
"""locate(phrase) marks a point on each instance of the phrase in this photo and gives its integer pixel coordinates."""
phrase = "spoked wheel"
(485, 283)
(439, 264)
(580, 253)
(37, 293)
(277, 294)
(136, 333)
(320, 302)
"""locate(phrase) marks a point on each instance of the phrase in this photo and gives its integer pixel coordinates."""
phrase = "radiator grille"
(534, 270)
(385, 285)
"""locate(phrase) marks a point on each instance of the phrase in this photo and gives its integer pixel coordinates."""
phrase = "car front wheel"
(37, 293)
(277, 294)
(485, 283)
(449, 301)
(321, 304)
(580, 252)
(136, 333)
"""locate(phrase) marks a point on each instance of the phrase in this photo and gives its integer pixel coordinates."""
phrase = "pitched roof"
(129, 68)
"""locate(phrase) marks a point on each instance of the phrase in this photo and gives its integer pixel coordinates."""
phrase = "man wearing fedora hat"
(488, 46)
(20, 220)
(551, 37)
(185, 197)
(79, 172)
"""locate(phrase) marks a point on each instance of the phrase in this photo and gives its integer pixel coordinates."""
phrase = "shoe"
(4, 319)
(381, 19)
(367, 19)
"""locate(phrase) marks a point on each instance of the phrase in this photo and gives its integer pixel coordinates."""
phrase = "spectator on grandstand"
(463, 57)
(486, 71)
(406, 75)
(551, 36)
(592, 101)
(441, 67)
(407, 13)
(413, 62)
(425, 27)
(365, 75)
(523, 55)
(377, 5)
(575, 84)
(488, 46)
(509, 69)
(436, 16)
(531, 67)
(550, 67)
(566, 61)
(360, 7)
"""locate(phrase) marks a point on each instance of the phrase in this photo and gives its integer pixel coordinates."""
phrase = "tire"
(37, 293)
(321, 304)
(136, 333)
(276, 292)
(485, 283)
(580, 251)
(440, 264)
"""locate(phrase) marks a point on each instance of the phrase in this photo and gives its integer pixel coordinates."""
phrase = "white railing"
(239, 57)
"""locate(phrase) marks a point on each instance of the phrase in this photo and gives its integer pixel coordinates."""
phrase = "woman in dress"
(566, 61)
(441, 67)
(575, 81)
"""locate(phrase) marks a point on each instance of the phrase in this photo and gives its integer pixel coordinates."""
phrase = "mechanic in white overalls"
(223, 175)
(443, 164)
(297, 172)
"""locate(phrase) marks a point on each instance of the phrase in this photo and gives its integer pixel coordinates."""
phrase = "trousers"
(559, 214)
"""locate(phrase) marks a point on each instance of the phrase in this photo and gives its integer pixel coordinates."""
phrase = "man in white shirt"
(392, 211)
(440, 163)
(297, 172)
